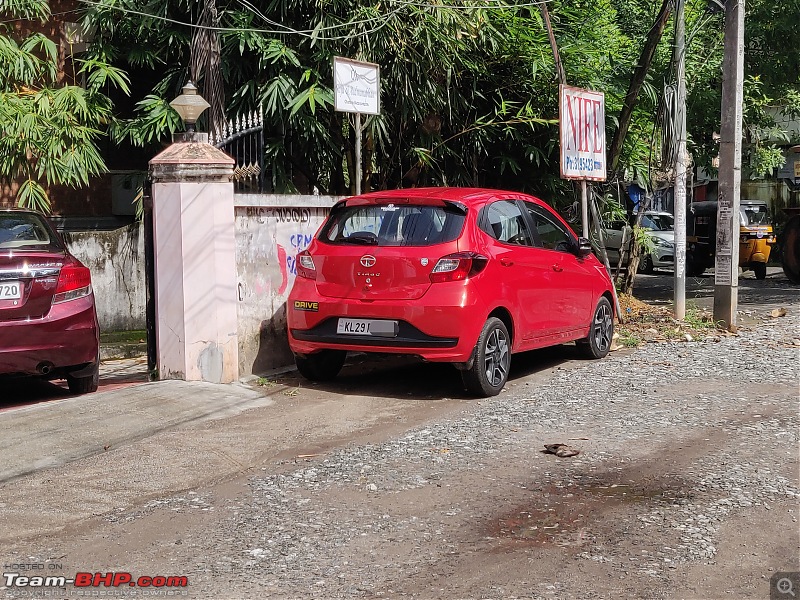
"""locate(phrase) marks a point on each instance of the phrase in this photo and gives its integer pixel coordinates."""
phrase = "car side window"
(617, 225)
(552, 234)
(505, 222)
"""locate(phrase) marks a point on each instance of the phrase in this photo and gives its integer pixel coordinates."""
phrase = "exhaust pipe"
(44, 368)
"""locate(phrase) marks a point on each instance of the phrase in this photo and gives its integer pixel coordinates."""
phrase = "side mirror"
(584, 247)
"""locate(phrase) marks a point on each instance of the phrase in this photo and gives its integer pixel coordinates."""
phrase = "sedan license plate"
(10, 290)
(380, 328)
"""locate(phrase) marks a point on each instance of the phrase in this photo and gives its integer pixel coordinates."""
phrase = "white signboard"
(582, 124)
(356, 86)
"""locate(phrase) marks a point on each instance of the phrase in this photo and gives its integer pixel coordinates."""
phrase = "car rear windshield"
(393, 225)
(26, 231)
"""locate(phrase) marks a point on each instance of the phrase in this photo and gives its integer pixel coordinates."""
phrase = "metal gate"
(243, 139)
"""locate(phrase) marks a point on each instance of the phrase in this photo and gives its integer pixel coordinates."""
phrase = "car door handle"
(558, 268)
(506, 262)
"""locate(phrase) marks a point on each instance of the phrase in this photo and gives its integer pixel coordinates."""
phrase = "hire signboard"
(582, 126)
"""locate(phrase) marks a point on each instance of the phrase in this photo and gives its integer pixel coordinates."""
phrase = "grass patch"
(137, 336)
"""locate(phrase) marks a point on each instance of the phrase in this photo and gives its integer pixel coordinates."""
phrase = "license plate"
(376, 327)
(10, 290)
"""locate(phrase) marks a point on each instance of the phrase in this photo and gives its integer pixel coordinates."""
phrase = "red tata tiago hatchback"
(466, 276)
(48, 322)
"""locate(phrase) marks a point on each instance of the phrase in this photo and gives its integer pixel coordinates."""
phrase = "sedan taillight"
(458, 266)
(305, 266)
(74, 281)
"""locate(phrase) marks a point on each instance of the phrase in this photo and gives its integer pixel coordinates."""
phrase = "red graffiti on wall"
(284, 274)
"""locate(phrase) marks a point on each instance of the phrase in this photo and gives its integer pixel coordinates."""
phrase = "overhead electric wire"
(314, 33)
(56, 14)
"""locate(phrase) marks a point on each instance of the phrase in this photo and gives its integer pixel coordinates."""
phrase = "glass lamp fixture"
(189, 105)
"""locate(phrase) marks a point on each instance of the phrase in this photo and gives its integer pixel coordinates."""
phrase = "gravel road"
(676, 440)
(686, 486)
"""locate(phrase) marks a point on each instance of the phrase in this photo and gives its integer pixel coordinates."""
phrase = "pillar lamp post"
(189, 105)
(195, 254)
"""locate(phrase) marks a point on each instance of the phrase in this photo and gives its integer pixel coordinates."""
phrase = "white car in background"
(659, 226)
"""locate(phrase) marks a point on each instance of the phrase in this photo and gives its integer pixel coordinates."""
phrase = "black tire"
(693, 268)
(646, 264)
(695, 271)
(489, 371)
(601, 332)
(321, 366)
(760, 270)
(84, 385)
(790, 249)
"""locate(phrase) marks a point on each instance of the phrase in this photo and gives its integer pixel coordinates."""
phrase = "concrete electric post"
(679, 294)
(726, 266)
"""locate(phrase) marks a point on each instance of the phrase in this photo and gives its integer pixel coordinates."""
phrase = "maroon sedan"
(48, 322)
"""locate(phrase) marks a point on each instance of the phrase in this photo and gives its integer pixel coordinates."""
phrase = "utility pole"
(679, 291)
(726, 265)
(562, 77)
(358, 154)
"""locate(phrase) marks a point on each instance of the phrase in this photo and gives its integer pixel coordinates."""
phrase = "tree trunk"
(633, 261)
(206, 65)
(637, 80)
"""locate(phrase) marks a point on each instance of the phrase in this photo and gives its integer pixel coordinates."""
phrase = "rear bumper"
(442, 326)
(66, 340)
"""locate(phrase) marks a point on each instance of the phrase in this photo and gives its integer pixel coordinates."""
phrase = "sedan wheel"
(489, 371)
(601, 332)
(86, 384)
(646, 263)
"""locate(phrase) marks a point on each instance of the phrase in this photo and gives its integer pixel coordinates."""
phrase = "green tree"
(469, 95)
(50, 125)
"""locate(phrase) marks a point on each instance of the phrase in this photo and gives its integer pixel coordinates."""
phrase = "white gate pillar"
(195, 263)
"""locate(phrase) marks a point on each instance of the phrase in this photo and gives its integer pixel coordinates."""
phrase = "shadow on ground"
(410, 378)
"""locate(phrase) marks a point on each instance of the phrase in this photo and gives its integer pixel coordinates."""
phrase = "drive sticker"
(306, 305)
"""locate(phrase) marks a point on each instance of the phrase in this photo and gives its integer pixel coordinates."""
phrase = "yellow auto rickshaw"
(756, 237)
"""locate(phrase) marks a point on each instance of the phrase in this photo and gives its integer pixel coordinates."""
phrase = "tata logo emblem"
(367, 261)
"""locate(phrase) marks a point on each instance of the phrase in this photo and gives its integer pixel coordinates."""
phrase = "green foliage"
(761, 131)
(468, 89)
(50, 129)
(154, 121)
(643, 241)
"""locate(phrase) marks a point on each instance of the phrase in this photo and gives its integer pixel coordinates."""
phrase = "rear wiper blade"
(364, 238)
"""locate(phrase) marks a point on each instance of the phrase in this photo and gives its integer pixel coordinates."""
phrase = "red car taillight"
(74, 281)
(305, 266)
(458, 266)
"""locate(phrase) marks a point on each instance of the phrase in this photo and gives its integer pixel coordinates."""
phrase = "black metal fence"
(243, 139)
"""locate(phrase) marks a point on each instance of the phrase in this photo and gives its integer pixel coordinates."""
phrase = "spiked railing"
(242, 138)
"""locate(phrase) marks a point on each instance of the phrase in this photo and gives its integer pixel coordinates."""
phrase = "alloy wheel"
(497, 357)
(602, 327)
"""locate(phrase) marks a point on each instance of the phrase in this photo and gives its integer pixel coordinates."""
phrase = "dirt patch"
(574, 515)
(645, 323)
